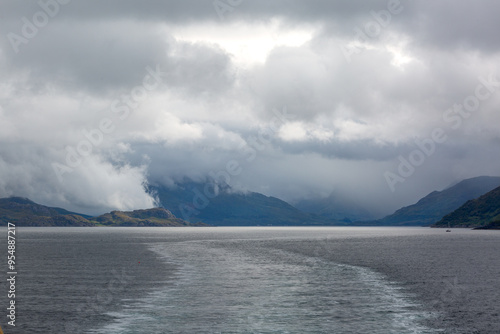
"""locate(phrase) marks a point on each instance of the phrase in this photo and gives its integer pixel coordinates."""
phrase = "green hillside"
(475, 213)
(24, 212)
(494, 225)
(149, 217)
(437, 204)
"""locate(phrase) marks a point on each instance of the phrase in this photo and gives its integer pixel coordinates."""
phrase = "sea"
(253, 280)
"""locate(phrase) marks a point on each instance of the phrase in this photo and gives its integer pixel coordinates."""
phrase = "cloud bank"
(98, 98)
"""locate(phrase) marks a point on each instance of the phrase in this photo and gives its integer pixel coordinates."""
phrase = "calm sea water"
(221, 280)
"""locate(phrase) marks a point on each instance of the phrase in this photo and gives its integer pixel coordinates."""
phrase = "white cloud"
(222, 81)
(170, 129)
(293, 131)
(95, 186)
(300, 131)
(248, 43)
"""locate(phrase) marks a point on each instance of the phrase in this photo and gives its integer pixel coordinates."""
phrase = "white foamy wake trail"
(243, 287)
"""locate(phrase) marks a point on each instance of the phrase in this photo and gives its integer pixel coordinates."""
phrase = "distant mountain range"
(196, 202)
(24, 212)
(437, 204)
(335, 207)
(479, 212)
(199, 202)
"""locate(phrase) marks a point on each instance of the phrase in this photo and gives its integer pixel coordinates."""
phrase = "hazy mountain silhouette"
(195, 202)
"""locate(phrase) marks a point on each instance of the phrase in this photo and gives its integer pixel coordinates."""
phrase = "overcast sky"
(379, 101)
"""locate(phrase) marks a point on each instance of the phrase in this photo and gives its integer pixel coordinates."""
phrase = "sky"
(381, 102)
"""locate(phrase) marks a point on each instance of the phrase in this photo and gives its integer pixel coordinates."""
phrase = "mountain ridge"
(24, 212)
(431, 208)
(222, 206)
(145, 217)
(198, 204)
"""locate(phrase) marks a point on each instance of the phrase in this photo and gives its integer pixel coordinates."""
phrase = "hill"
(495, 225)
(24, 212)
(149, 217)
(475, 213)
(437, 204)
(199, 202)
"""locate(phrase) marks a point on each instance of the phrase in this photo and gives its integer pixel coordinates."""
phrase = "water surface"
(246, 280)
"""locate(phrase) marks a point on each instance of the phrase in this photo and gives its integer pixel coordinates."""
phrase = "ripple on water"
(243, 287)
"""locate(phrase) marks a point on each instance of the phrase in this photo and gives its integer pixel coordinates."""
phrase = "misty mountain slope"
(24, 212)
(189, 201)
(437, 204)
(474, 213)
(335, 207)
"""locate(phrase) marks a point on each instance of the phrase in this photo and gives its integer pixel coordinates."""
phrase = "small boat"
(448, 230)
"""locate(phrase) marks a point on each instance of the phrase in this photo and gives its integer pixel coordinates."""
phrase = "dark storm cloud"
(185, 11)
(354, 150)
(454, 25)
(443, 24)
(349, 118)
(102, 56)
